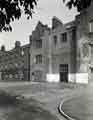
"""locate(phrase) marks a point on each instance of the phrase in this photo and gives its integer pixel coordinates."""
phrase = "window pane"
(55, 40)
(38, 59)
(38, 43)
(91, 26)
(63, 37)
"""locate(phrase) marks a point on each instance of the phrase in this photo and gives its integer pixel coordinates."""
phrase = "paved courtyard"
(80, 107)
(48, 95)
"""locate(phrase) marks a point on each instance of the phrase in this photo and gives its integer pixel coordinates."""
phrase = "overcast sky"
(44, 12)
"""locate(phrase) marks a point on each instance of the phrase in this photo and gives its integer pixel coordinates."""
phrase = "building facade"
(62, 53)
(38, 50)
(15, 64)
(84, 28)
(66, 53)
(53, 52)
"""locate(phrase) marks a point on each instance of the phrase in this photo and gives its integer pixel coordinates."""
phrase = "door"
(63, 72)
(91, 75)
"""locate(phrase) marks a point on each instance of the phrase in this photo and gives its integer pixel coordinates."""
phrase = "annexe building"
(15, 63)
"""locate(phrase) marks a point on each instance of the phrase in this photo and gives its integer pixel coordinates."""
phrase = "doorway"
(63, 70)
(91, 76)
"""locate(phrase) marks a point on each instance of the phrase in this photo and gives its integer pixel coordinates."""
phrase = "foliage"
(13, 9)
(80, 4)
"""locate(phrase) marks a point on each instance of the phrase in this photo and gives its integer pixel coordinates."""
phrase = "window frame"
(38, 59)
(55, 38)
(90, 26)
(38, 43)
(63, 37)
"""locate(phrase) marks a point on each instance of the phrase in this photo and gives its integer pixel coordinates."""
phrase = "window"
(22, 52)
(63, 68)
(63, 37)
(91, 26)
(39, 43)
(38, 59)
(55, 40)
(73, 34)
(85, 50)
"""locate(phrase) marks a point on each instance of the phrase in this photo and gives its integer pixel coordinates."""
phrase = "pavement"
(49, 95)
(80, 107)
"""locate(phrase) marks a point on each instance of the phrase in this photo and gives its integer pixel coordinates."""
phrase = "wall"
(83, 44)
(62, 53)
(41, 32)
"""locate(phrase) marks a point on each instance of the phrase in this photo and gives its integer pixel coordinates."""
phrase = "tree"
(80, 4)
(10, 10)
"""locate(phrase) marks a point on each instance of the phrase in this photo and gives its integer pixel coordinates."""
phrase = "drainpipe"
(50, 55)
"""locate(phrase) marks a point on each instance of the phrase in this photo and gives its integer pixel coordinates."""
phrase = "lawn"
(12, 108)
(29, 112)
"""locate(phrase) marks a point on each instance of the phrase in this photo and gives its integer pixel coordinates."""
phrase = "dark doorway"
(91, 76)
(63, 69)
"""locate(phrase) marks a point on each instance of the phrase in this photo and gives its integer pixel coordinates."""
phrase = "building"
(64, 52)
(84, 32)
(38, 50)
(15, 63)
(53, 52)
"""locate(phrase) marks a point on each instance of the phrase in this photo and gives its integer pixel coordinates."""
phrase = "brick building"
(15, 63)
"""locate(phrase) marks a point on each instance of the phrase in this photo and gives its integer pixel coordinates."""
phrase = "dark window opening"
(55, 40)
(63, 37)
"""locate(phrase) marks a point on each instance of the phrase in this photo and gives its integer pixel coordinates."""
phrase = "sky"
(44, 11)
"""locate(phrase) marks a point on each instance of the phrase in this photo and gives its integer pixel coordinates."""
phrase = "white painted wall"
(52, 78)
(82, 78)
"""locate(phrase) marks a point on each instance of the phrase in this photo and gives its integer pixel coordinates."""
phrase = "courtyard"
(45, 97)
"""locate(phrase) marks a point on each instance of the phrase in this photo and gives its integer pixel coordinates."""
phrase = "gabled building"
(65, 51)
(53, 52)
(62, 53)
(38, 50)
